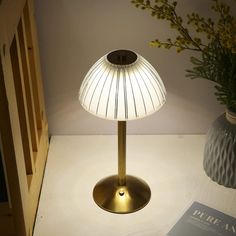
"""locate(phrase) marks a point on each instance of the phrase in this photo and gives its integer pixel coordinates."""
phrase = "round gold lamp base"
(112, 197)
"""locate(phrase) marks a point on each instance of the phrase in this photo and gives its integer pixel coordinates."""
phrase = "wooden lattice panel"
(23, 124)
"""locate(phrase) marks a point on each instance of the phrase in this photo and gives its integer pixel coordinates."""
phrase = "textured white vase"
(220, 150)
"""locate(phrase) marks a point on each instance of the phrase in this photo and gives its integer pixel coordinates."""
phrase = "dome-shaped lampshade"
(122, 85)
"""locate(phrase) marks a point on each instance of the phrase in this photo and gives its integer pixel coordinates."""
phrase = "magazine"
(201, 220)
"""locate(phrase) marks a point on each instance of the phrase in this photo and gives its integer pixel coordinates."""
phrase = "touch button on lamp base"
(112, 197)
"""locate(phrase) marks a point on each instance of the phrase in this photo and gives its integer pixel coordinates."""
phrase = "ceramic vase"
(220, 150)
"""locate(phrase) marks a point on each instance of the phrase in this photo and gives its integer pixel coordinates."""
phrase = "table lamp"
(122, 86)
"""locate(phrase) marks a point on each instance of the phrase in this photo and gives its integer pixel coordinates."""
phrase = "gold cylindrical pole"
(122, 152)
(125, 193)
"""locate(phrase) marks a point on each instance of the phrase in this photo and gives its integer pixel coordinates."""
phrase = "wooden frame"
(23, 124)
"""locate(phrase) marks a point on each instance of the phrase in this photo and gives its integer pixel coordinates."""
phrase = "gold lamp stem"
(123, 193)
(122, 152)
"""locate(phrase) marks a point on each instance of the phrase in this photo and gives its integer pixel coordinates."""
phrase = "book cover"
(201, 220)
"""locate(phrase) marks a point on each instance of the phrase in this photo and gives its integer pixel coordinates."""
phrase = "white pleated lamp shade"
(122, 85)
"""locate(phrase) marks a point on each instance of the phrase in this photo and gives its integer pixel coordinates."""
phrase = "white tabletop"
(170, 164)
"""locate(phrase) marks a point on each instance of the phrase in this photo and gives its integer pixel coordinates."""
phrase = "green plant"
(215, 40)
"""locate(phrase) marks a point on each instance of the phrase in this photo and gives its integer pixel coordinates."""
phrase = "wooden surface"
(170, 164)
(23, 123)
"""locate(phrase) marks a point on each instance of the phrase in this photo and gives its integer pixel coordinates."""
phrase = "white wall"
(73, 34)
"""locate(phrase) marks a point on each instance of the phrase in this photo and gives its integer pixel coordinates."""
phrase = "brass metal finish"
(121, 152)
(112, 197)
(121, 193)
